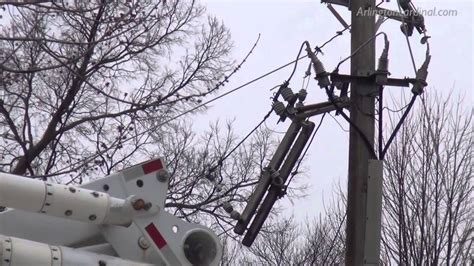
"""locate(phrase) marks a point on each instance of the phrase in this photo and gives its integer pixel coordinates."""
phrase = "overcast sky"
(284, 25)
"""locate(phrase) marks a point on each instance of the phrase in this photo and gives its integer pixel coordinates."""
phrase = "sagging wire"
(224, 157)
(219, 84)
(404, 25)
(395, 111)
(263, 121)
(340, 110)
(209, 175)
(336, 70)
(339, 124)
(210, 172)
(90, 158)
(296, 62)
(273, 130)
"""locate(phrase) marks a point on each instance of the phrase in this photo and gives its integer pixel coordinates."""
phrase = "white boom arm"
(62, 201)
(17, 251)
(115, 220)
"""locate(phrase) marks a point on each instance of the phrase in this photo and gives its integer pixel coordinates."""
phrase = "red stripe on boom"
(155, 235)
(152, 166)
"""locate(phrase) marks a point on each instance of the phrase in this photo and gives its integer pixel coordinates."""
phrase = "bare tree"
(201, 182)
(84, 83)
(284, 241)
(428, 214)
(324, 241)
(92, 87)
(232, 252)
(279, 244)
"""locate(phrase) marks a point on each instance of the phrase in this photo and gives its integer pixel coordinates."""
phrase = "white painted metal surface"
(151, 236)
(60, 200)
(21, 252)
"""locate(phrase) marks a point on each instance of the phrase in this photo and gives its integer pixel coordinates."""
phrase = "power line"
(360, 48)
(397, 128)
(318, 49)
(406, 37)
(395, 111)
(245, 138)
(365, 139)
(343, 129)
(90, 158)
(415, 93)
(296, 62)
(273, 130)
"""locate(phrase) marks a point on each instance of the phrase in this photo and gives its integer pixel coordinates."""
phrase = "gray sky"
(284, 25)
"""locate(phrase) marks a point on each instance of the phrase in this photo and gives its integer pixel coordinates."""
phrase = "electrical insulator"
(321, 75)
(302, 95)
(382, 69)
(383, 60)
(278, 107)
(219, 187)
(287, 93)
(210, 176)
(227, 207)
(230, 210)
(383, 64)
(235, 215)
(421, 76)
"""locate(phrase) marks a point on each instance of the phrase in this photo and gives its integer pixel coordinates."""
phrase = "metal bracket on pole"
(320, 108)
(345, 3)
(371, 79)
(374, 213)
(338, 16)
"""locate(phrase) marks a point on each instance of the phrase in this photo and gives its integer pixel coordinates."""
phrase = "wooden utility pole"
(362, 111)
